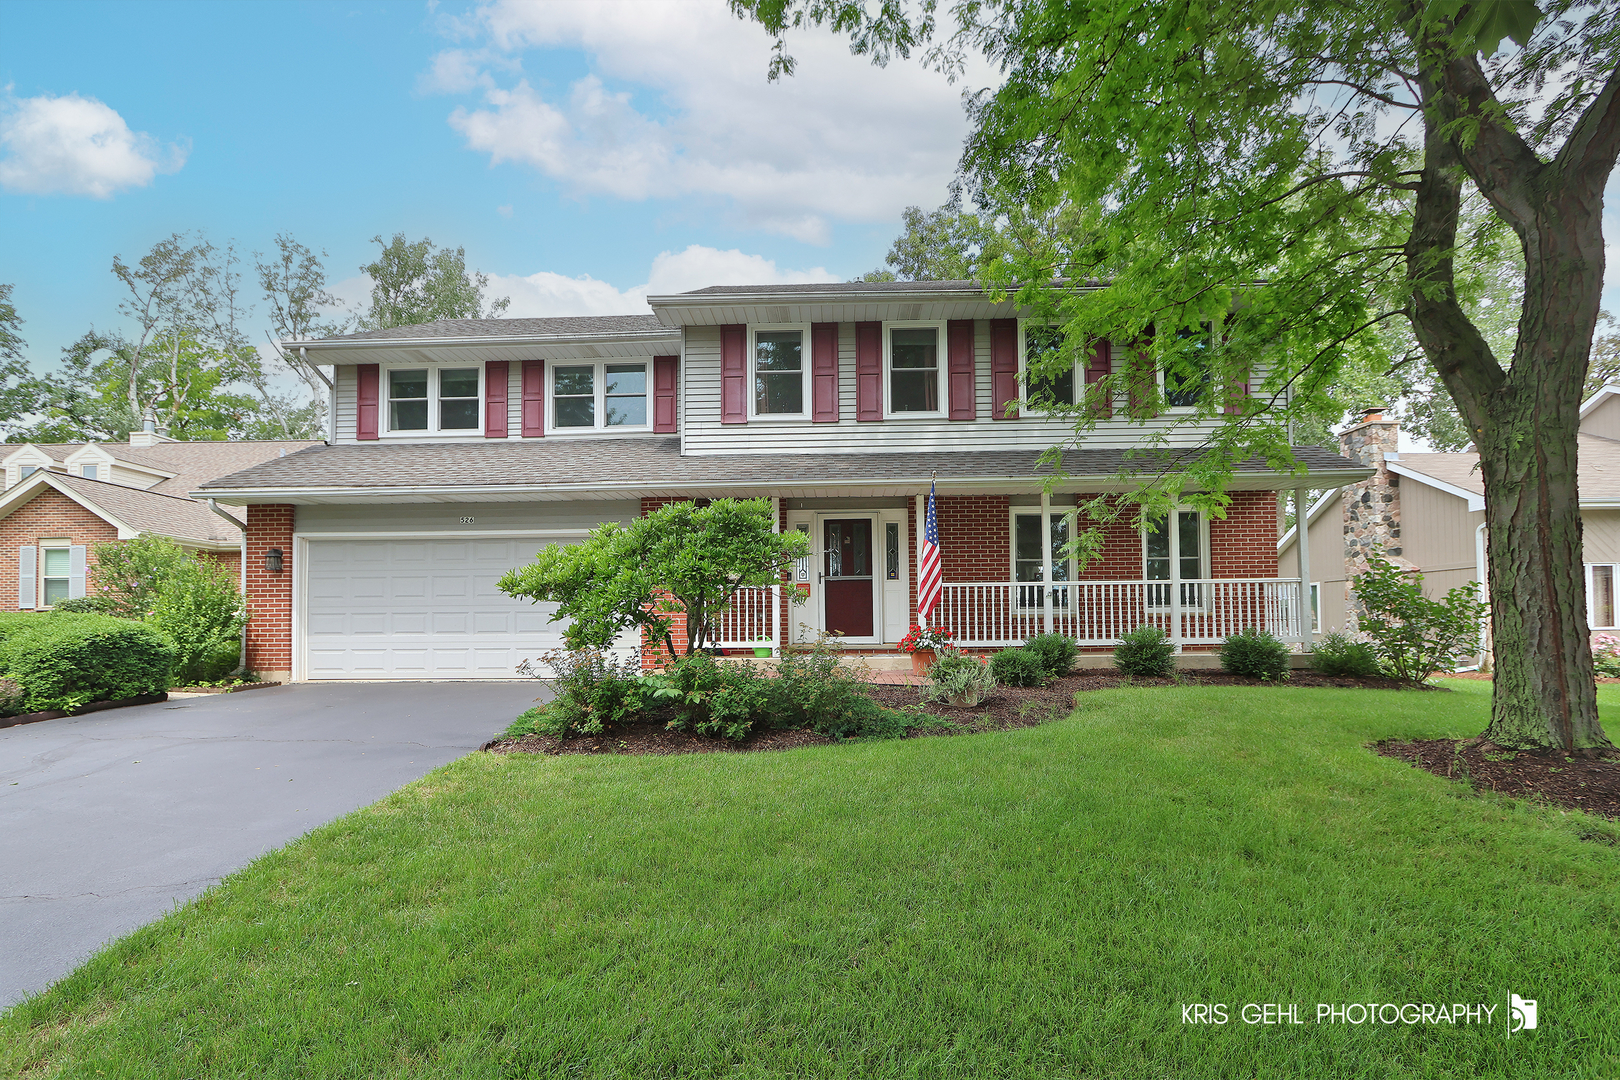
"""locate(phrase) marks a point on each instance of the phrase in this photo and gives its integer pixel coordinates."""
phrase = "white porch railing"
(750, 620)
(1102, 612)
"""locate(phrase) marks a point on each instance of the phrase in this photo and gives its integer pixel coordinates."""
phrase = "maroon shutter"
(824, 372)
(534, 398)
(664, 374)
(1003, 369)
(1236, 391)
(1098, 367)
(959, 351)
(869, 371)
(734, 375)
(365, 401)
(495, 376)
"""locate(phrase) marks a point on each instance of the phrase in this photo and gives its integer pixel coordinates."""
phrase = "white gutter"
(627, 337)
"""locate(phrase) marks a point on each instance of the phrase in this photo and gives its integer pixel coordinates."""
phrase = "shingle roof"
(149, 511)
(501, 328)
(196, 463)
(572, 463)
(1598, 468)
(837, 287)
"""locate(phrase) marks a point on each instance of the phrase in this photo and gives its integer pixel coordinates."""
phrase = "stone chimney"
(1372, 508)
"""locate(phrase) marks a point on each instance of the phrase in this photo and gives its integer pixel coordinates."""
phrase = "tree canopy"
(416, 282)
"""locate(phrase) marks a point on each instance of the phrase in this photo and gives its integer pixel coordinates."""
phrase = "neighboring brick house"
(1426, 511)
(60, 500)
(460, 448)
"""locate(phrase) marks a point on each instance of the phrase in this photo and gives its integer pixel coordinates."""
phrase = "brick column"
(269, 596)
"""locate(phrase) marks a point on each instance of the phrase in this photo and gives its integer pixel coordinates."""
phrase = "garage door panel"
(420, 609)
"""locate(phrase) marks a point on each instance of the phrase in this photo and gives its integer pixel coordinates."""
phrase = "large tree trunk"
(1524, 420)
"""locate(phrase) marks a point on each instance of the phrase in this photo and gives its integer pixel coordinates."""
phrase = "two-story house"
(460, 448)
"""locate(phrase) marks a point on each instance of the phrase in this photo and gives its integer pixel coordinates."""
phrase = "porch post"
(1047, 591)
(1174, 529)
(1302, 548)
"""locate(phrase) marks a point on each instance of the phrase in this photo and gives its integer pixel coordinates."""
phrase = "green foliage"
(1416, 637)
(414, 283)
(1340, 654)
(68, 661)
(199, 607)
(813, 689)
(1018, 667)
(1057, 652)
(940, 245)
(959, 679)
(592, 690)
(12, 696)
(19, 391)
(680, 558)
(1145, 652)
(710, 697)
(1255, 654)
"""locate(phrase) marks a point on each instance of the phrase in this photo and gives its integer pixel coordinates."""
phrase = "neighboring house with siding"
(1427, 511)
(460, 448)
(61, 499)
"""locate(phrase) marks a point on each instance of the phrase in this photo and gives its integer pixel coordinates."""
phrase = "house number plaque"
(468, 520)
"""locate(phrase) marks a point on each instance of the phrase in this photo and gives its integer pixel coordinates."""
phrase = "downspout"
(1484, 594)
(241, 573)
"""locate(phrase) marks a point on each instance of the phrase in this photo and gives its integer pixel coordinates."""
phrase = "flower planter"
(921, 661)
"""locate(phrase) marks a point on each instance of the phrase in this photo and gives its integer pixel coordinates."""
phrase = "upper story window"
(915, 368)
(1184, 388)
(588, 397)
(1043, 391)
(433, 399)
(780, 369)
(89, 472)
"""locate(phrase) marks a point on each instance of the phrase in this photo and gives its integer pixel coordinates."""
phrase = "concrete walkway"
(110, 819)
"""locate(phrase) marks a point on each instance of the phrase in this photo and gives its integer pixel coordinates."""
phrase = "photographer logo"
(1521, 1014)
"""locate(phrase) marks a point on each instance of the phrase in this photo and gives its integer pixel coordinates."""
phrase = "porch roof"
(569, 469)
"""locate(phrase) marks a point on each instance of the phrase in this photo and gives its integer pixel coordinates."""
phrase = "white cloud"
(548, 294)
(74, 145)
(677, 104)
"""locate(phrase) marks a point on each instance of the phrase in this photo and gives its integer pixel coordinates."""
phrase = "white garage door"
(420, 609)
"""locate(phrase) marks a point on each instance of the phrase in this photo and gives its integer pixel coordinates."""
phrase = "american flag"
(928, 577)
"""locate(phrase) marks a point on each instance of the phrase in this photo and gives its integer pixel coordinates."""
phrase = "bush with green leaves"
(814, 690)
(11, 697)
(711, 697)
(199, 606)
(1057, 653)
(1416, 637)
(959, 679)
(1146, 653)
(129, 574)
(1339, 654)
(592, 688)
(71, 660)
(1255, 654)
(1018, 667)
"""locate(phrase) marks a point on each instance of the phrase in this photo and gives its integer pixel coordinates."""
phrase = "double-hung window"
(916, 366)
(591, 397)
(1187, 383)
(54, 577)
(780, 369)
(1028, 564)
(429, 400)
(1600, 613)
(1043, 391)
(1190, 552)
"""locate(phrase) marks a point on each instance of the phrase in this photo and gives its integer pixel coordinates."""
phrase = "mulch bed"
(1009, 707)
(1554, 777)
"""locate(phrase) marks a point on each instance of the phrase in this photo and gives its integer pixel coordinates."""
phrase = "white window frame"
(1164, 395)
(1019, 587)
(1316, 607)
(53, 544)
(942, 371)
(599, 391)
(385, 400)
(1203, 558)
(1078, 384)
(806, 388)
(1591, 595)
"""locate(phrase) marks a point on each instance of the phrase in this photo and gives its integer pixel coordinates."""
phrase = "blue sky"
(585, 154)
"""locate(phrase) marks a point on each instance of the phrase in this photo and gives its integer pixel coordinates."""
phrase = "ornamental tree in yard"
(1246, 191)
(681, 558)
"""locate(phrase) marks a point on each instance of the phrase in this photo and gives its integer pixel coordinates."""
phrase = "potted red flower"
(924, 643)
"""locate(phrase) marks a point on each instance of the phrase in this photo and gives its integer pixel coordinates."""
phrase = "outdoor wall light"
(272, 561)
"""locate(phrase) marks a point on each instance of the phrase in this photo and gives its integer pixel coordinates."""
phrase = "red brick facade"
(269, 631)
(50, 515)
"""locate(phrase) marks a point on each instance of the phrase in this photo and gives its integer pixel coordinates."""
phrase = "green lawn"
(1036, 903)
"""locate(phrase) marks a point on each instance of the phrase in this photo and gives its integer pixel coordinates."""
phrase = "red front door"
(846, 576)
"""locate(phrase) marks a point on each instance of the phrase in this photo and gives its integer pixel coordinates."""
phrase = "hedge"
(66, 661)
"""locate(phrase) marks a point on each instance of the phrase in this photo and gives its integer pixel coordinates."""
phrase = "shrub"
(1606, 656)
(592, 688)
(1057, 652)
(129, 574)
(1255, 654)
(78, 605)
(1145, 652)
(959, 679)
(198, 605)
(711, 698)
(68, 661)
(1415, 637)
(814, 690)
(1018, 667)
(11, 697)
(1340, 654)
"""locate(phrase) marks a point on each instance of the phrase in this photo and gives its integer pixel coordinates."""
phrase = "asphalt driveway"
(111, 819)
